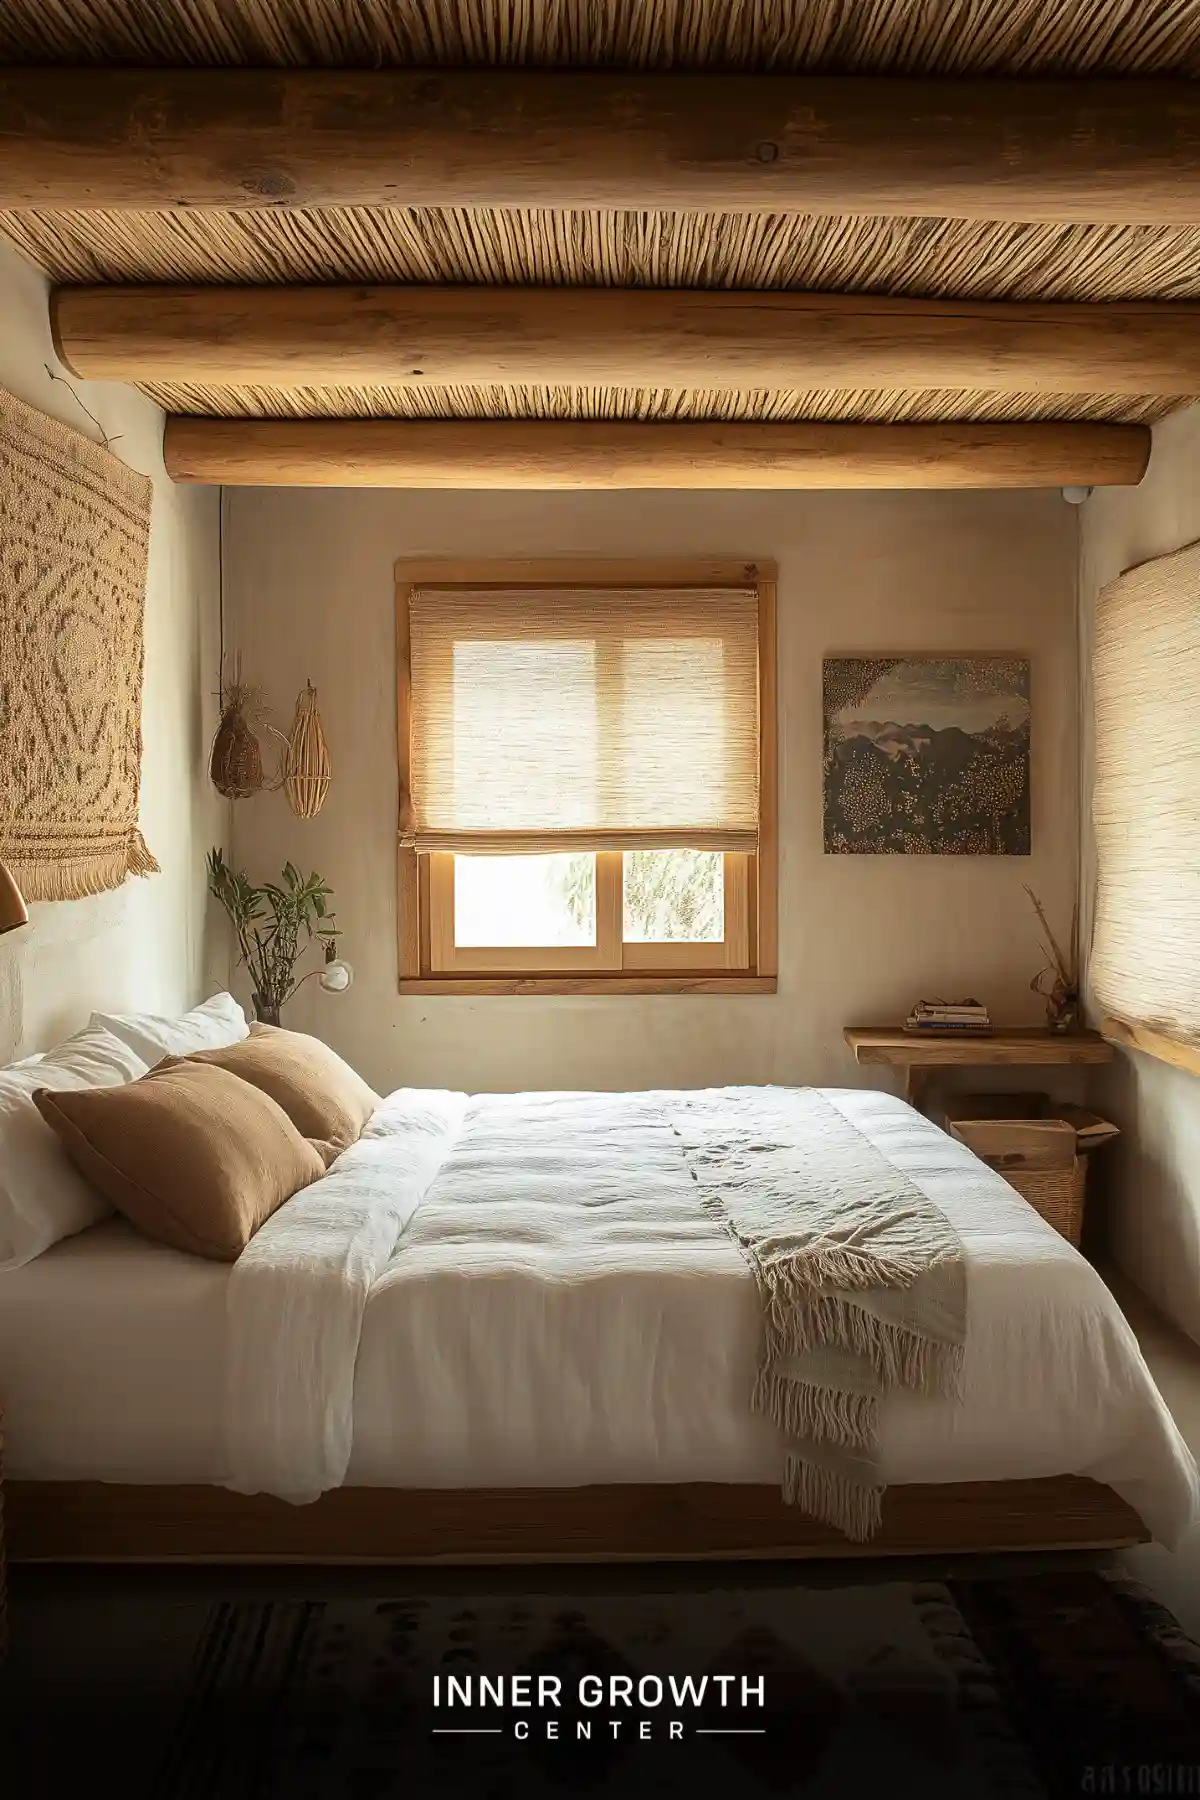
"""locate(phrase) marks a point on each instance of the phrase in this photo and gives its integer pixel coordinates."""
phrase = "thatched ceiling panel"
(643, 403)
(917, 257)
(993, 37)
(970, 259)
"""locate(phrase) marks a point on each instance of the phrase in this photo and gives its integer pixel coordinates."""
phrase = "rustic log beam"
(1104, 150)
(470, 453)
(426, 337)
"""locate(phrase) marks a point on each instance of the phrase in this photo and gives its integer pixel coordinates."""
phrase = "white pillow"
(215, 1025)
(42, 1197)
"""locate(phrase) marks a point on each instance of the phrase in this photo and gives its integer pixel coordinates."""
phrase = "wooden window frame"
(612, 953)
(743, 963)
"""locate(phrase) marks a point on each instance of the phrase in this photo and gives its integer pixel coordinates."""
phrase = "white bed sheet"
(492, 1359)
(112, 1360)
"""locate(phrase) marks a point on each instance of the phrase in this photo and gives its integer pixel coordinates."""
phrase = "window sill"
(1159, 1044)
(589, 984)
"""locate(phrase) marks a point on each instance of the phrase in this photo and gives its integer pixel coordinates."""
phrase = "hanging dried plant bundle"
(235, 764)
(306, 780)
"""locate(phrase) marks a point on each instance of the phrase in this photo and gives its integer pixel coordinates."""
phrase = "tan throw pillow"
(322, 1095)
(192, 1156)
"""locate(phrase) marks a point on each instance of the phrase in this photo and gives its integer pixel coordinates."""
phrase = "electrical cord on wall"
(108, 441)
(221, 593)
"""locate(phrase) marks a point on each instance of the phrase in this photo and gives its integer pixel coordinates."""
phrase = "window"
(586, 777)
(1144, 969)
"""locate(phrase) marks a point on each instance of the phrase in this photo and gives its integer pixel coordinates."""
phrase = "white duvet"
(521, 1290)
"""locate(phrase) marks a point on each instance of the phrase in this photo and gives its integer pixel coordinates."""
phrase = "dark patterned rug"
(1050, 1685)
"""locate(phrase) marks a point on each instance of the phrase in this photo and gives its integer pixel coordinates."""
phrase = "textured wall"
(144, 944)
(309, 593)
(1153, 1190)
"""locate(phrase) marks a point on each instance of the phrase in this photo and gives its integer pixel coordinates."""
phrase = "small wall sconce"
(337, 974)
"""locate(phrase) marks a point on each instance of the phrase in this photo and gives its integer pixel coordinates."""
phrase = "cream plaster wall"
(309, 593)
(1153, 1190)
(142, 946)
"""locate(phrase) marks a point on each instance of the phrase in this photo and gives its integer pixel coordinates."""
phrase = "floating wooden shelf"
(918, 1054)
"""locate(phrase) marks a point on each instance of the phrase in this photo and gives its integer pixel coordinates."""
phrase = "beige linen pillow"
(322, 1095)
(192, 1156)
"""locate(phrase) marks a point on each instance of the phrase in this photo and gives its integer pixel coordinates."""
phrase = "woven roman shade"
(1145, 962)
(582, 719)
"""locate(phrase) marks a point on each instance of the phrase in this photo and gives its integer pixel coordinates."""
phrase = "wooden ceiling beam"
(468, 453)
(423, 337)
(1109, 151)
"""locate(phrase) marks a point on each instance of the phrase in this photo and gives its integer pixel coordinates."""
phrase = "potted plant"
(275, 925)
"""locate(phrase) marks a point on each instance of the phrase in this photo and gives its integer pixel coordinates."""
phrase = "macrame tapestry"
(74, 540)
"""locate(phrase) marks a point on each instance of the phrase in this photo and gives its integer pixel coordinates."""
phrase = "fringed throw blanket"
(74, 539)
(862, 1282)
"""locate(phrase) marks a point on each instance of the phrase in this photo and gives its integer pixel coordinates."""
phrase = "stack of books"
(948, 1015)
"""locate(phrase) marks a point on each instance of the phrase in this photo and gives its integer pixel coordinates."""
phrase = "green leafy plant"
(275, 925)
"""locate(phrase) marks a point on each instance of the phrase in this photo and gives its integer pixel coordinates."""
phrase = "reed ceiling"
(835, 37)
(917, 257)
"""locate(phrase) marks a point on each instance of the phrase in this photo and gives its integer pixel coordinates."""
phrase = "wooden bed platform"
(66, 1521)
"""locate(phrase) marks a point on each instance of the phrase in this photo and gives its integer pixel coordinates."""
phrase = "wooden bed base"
(68, 1521)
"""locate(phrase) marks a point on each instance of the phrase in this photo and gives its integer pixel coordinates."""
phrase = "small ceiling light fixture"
(1075, 496)
(13, 911)
(337, 974)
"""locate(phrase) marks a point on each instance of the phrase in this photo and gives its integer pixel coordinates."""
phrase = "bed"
(552, 1362)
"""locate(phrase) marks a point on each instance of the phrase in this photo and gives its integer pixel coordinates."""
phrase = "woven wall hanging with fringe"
(306, 766)
(73, 558)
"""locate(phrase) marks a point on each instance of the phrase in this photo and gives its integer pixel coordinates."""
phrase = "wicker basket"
(1058, 1194)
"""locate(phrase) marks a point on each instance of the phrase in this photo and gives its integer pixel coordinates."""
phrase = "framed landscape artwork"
(927, 756)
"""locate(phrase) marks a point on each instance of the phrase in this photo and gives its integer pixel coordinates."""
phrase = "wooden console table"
(920, 1054)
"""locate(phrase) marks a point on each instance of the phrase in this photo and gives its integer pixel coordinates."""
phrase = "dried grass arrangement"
(235, 764)
(306, 764)
(1061, 970)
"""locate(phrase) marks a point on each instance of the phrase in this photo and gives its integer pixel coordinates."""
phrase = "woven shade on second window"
(560, 719)
(1145, 958)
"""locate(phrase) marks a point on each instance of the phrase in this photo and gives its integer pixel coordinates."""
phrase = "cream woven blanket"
(74, 540)
(861, 1277)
